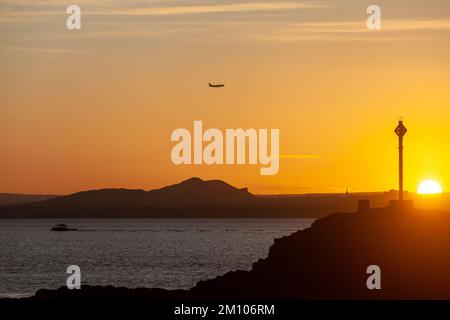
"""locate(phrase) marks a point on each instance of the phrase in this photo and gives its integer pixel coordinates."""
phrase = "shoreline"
(309, 264)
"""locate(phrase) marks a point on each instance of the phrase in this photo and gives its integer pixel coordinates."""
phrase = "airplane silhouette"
(216, 85)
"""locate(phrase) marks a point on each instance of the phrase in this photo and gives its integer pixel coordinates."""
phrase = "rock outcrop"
(329, 260)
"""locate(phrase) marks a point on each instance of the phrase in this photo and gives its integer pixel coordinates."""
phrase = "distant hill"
(189, 192)
(7, 199)
(197, 198)
(190, 198)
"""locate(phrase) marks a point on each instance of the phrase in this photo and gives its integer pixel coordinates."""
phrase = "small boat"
(62, 227)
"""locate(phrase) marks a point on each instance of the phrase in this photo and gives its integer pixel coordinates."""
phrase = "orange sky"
(95, 108)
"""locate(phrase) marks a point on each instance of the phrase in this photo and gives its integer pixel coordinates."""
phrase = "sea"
(162, 253)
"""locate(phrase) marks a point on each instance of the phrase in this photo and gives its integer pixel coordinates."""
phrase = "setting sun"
(429, 187)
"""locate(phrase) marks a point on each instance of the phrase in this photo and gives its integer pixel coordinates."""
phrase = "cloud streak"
(298, 156)
(218, 8)
(43, 50)
(392, 30)
(263, 21)
(171, 10)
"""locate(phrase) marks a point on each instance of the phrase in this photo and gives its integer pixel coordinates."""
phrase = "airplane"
(216, 85)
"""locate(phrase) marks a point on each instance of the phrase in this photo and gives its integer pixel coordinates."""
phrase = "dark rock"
(329, 261)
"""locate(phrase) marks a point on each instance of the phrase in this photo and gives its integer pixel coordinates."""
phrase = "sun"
(429, 187)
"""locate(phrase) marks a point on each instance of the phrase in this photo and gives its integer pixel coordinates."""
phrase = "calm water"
(171, 254)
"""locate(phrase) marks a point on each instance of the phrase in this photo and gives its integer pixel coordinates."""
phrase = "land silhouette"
(193, 198)
(8, 199)
(329, 260)
(326, 261)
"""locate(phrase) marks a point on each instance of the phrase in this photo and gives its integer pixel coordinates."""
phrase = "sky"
(95, 108)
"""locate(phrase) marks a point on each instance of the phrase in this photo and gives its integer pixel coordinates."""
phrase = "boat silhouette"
(62, 227)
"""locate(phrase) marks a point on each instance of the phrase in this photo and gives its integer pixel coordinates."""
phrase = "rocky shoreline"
(329, 260)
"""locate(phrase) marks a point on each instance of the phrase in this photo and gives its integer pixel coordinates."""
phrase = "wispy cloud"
(160, 9)
(193, 20)
(355, 31)
(298, 156)
(257, 31)
(217, 8)
(42, 50)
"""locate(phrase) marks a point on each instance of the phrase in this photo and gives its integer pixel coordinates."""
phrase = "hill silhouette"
(191, 191)
(190, 198)
(327, 261)
(8, 199)
(196, 198)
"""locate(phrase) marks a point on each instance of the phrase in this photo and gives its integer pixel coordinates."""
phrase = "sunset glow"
(101, 102)
(429, 187)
